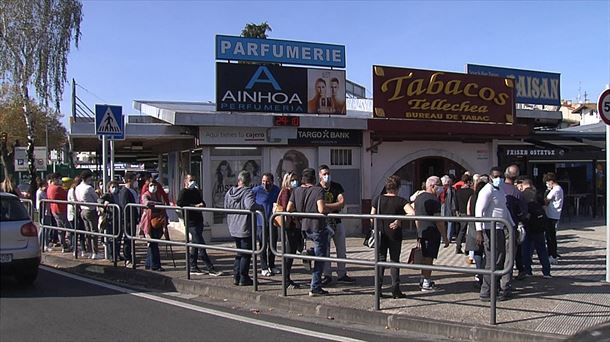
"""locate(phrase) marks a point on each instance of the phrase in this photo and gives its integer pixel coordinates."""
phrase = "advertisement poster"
(291, 160)
(277, 89)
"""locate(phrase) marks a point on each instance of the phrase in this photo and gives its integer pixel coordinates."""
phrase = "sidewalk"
(575, 299)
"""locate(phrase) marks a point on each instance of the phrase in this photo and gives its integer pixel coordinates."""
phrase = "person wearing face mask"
(491, 202)
(110, 221)
(429, 233)
(154, 224)
(85, 193)
(292, 233)
(265, 195)
(554, 203)
(335, 201)
(190, 196)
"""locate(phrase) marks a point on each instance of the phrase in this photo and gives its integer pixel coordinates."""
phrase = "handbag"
(415, 256)
(277, 207)
(158, 221)
(369, 239)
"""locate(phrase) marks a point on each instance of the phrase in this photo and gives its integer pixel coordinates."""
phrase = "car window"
(11, 209)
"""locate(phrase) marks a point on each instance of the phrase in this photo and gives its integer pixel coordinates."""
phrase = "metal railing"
(29, 205)
(376, 264)
(116, 217)
(187, 244)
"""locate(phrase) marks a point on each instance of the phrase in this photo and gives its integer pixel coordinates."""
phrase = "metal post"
(284, 280)
(111, 159)
(104, 160)
(43, 230)
(75, 235)
(607, 205)
(185, 214)
(494, 260)
(132, 241)
(254, 270)
(115, 231)
(377, 284)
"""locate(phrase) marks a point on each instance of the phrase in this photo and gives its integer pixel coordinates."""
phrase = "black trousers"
(294, 243)
(551, 237)
(394, 247)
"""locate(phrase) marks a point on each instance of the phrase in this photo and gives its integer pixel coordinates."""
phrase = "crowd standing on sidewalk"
(503, 194)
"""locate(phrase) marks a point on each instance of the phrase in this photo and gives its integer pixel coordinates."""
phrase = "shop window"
(341, 157)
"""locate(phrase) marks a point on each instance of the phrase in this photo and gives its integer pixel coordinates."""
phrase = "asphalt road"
(60, 307)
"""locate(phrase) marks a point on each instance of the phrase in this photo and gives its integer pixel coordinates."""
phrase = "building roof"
(583, 106)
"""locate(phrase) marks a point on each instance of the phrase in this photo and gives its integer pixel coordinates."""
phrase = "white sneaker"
(552, 260)
(427, 285)
(94, 256)
(83, 254)
(266, 273)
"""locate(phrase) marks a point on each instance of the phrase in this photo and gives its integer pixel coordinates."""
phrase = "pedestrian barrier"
(29, 205)
(116, 210)
(376, 264)
(129, 208)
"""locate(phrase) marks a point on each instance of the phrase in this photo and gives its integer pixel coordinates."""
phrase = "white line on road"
(265, 324)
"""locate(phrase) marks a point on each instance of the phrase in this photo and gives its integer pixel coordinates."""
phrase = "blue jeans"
(153, 257)
(320, 245)
(196, 232)
(535, 241)
(242, 261)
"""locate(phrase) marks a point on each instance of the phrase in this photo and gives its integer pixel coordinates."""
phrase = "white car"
(19, 246)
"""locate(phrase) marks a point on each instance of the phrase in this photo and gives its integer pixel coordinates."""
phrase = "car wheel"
(28, 277)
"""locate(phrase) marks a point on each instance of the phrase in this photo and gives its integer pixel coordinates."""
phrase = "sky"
(164, 50)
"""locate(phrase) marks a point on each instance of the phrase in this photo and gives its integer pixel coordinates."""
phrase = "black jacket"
(189, 197)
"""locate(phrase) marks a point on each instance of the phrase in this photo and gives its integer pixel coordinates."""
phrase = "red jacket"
(160, 191)
(57, 192)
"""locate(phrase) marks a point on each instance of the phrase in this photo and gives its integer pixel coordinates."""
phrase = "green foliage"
(35, 39)
(256, 31)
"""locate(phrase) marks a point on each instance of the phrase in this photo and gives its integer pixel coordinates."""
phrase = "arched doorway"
(414, 173)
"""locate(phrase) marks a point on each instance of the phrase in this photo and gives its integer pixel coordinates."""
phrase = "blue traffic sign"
(109, 121)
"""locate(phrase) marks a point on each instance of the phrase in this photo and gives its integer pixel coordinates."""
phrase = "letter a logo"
(256, 78)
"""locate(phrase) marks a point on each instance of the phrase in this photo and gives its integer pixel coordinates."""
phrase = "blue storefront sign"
(532, 87)
(279, 51)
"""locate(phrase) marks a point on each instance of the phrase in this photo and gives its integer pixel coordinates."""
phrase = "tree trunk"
(30, 149)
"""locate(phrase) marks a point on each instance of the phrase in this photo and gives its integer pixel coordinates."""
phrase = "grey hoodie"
(240, 225)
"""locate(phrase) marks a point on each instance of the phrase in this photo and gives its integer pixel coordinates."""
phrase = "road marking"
(265, 324)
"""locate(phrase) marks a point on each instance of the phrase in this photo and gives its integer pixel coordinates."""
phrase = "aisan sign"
(442, 96)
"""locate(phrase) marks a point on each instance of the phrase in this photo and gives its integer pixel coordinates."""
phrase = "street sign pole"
(111, 160)
(104, 161)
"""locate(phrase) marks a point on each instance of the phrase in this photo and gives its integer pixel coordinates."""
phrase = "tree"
(47, 126)
(256, 31)
(35, 40)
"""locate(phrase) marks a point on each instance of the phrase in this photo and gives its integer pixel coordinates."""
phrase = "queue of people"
(500, 194)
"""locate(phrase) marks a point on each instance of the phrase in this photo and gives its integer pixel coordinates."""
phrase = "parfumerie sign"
(533, 87)
(441, 96)
(279, 51)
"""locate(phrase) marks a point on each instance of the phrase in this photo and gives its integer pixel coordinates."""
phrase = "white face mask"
(326, 178)
(114, 189)
(152, 189)
(496, 182)
(549, 185)
(439, 189)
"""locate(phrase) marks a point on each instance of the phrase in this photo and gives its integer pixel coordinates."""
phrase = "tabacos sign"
(441, 96)
(276, 89)
(532, 87)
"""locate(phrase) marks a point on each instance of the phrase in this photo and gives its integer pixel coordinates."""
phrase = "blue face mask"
(496, 182)
(294, 183)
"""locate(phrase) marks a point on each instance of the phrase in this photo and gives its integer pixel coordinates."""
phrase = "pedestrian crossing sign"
(109, 122)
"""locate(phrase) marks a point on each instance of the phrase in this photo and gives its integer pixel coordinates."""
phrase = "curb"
(159, 282)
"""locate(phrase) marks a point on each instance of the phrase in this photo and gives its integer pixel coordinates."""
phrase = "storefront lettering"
(402, 86)
(271, 108)
(323, 135)
(443, 105)
(534, 153)
(448, 117)
(259, 97)
(535, 87)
